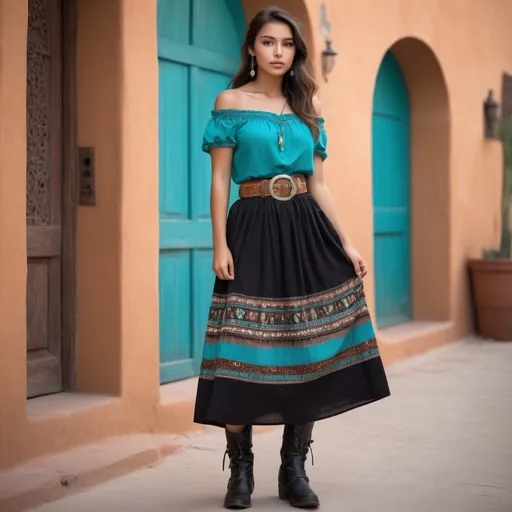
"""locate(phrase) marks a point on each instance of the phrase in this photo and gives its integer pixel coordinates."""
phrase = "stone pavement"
(441, 443)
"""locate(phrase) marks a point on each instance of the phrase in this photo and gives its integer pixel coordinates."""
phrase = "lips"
(277, 64)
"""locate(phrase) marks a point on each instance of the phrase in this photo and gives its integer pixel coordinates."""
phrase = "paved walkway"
(441, 443)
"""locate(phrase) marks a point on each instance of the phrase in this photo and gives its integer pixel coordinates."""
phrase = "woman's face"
(274, 49)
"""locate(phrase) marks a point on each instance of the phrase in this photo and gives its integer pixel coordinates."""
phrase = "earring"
(252, 73)
(292, 73)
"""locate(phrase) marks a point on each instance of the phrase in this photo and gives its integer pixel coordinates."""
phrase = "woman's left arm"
(320, 191)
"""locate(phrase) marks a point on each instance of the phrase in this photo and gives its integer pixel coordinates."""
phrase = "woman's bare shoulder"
(230, 99)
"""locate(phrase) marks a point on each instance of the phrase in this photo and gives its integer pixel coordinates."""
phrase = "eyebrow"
(271, 37)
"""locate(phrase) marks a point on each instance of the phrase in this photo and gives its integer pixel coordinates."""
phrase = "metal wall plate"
(86, 168)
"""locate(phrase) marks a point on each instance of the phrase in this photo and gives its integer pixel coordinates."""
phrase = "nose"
(278, 53)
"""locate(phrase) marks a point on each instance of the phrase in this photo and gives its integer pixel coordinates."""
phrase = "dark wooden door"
(44, 197)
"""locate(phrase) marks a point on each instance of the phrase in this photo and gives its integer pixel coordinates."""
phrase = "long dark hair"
(300, 89)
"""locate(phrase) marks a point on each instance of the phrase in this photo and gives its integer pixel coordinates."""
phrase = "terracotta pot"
(491, 282)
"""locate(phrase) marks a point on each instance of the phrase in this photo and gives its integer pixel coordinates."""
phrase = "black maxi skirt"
(290, 339)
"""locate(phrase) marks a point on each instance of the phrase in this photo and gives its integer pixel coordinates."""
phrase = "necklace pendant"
(280, 142)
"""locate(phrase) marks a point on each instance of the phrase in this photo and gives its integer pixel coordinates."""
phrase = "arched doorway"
(198, 54)
(391, 194)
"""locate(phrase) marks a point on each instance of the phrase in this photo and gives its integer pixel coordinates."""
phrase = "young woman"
(289, 338)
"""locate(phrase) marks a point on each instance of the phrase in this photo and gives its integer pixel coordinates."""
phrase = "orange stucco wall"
(451, 53)
(13, 23)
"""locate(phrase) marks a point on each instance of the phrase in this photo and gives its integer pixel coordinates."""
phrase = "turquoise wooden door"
(198, 54)
(391, 194)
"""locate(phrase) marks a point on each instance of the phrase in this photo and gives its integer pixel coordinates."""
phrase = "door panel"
(175, 268)
(198, 52)
(391, 194)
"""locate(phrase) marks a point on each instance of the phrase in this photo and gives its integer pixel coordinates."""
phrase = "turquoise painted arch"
(391, 194)
(198, 54)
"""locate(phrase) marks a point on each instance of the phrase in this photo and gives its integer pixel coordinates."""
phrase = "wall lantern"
(491, 117)
(328, 58)
(329, 54)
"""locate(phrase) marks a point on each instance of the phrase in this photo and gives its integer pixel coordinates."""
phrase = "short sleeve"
(220, 131)
(321, 142)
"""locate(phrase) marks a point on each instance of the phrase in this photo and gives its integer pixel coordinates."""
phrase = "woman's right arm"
(219, 197)
(221, 158)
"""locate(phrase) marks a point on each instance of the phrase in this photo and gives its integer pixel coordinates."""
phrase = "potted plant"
(491, 276)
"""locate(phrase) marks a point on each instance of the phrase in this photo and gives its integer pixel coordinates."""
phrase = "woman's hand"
(358, 261)
(223, 265)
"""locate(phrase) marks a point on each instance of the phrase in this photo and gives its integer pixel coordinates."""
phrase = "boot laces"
(235, 459)
(233, 455)
(310, 448)
(304, 449)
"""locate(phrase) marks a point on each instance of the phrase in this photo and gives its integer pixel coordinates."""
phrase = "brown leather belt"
(281, 187)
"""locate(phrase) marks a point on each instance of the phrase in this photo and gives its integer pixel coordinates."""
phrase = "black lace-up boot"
(293, 481)
(241, 482)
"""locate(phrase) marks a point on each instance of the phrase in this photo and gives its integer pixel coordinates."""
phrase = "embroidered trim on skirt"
(290, 340)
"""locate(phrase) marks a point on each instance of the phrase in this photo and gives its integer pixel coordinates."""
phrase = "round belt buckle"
(292, 185)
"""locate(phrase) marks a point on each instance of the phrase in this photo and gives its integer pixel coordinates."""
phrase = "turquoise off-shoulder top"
(254, 136)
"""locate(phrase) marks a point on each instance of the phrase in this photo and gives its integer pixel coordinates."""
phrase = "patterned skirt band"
(282, 187)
